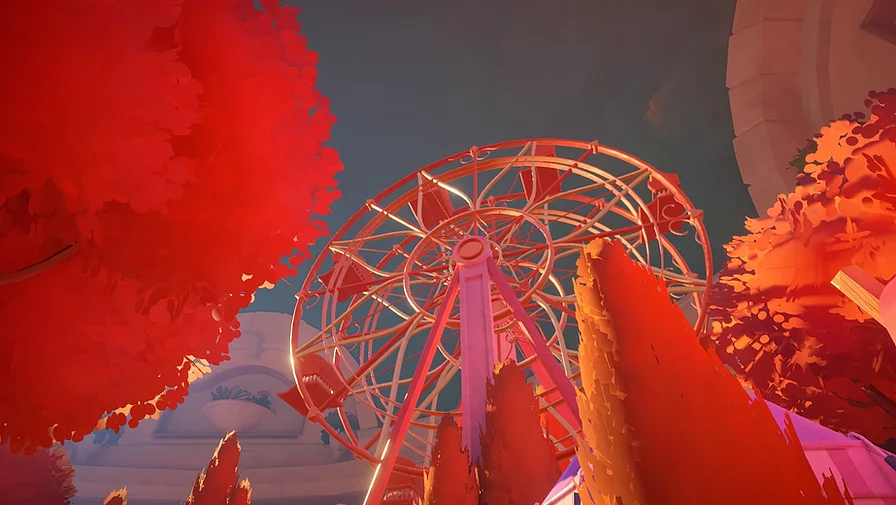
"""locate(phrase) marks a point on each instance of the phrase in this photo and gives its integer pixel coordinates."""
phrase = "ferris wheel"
(467, 262)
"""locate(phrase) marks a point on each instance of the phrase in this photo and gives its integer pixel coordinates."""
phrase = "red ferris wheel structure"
(467, 262)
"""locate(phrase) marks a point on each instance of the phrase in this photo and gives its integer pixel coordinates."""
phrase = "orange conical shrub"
(119, 497)
(451, 480)
(518, 466)
(606, 450)
(698, 437)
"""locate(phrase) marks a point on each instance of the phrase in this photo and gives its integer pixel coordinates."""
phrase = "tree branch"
(41, 266)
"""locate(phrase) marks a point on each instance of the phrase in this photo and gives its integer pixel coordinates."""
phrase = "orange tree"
(778, 320)
(158, 160)
(662, 420)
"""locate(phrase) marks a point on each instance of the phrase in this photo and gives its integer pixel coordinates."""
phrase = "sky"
(414, 81)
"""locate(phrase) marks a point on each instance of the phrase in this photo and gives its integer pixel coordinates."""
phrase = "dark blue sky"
(413, 81)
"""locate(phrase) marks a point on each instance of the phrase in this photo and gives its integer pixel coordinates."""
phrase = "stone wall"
(283, 456)
(794, 65)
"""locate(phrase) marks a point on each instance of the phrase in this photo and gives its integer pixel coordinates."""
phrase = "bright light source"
(377, 471)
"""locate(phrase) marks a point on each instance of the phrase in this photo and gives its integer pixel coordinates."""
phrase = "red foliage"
(451, 480)
(779, 322)
(518, 466)
(219, 483)
(677, 420)
(43, 478)
(173, 152)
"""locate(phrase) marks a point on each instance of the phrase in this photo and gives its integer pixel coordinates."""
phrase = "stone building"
(794, 65)
(282, 455)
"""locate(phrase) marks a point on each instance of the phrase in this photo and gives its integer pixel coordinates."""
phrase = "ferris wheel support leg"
(554, 370)
(403, 420)
(477, 343)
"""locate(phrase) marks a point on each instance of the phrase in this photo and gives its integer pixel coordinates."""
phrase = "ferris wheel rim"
(589, 149)
(593, 148)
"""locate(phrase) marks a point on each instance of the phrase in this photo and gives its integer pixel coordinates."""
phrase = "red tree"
(674, 419)
(518, 466)
(451, 480)
(219, 483)
(44, 478)
(158, 160)
(779, 322)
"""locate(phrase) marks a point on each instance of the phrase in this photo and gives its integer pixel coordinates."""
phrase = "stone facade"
(283, 456)
(794, 65)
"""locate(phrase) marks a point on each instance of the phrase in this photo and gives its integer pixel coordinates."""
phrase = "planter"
(235, 415)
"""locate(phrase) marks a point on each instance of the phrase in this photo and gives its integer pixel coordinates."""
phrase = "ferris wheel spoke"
(355, 259)
(603, 212)
(381, 292)
(558, 325)
(627, 233)
(530, 146)
(387, 417)
(420, 263)
(443, 368)
(318, 344)
(680, 279)
(404, 222)
(347, 244)
(447, 187)
(444, 378)
(607, 185)
(434, 375)
(396, 376)
(520, 240)
(684, 290)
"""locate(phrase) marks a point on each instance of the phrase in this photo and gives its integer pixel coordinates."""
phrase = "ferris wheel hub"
(472, 250)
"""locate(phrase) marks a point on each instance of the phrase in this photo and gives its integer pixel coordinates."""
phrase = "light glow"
(376, 471)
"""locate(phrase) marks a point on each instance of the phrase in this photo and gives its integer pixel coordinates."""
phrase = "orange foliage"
(451, 480)
(119, 497)
(518, 466)
(778, 320)
(690, 422)
(614, 468)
